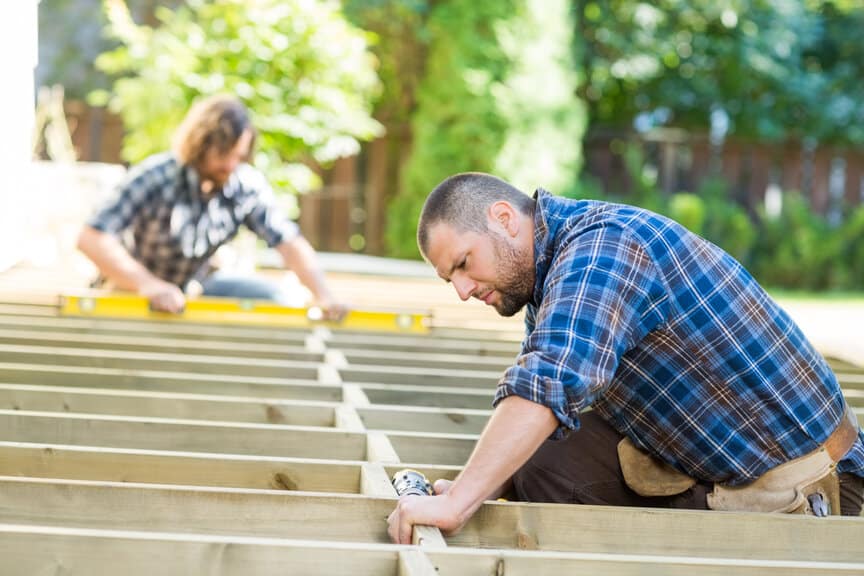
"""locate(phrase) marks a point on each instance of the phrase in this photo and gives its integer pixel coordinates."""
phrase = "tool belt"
(805, 485)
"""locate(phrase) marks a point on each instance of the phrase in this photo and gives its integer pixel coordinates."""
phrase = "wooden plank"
(424, 419)
(600, 529)
(143, 360)
(132, 328)
(464, 342)
(616, 530)
(165, 405)
(158, 344)
(451, 449)
(167, 381)
(430, 396)
(529, 563)
(415, 563)
(379, 448)
(419, 359)
(184, 435)
(184, 468)
(29, 550)
(426, 376)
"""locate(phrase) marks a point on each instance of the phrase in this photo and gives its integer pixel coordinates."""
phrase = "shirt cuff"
(541, 390)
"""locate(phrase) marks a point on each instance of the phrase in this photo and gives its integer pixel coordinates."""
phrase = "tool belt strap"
(785, 488)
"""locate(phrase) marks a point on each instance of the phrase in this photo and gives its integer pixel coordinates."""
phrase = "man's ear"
(503, 216)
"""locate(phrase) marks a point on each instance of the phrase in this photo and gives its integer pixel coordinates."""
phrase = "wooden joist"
(353, 518)
(31, 550)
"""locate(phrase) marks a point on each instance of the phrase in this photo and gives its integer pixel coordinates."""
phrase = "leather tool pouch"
(648, 476)
(785, 488)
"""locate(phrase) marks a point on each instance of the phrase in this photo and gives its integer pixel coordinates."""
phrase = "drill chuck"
(411, 482)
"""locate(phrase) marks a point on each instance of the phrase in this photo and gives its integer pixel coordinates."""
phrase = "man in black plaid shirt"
(181, 206)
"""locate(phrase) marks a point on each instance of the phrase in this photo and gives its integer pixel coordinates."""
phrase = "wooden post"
(854, 172)
(819, 190)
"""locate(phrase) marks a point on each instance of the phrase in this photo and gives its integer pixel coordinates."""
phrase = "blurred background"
(743, 119)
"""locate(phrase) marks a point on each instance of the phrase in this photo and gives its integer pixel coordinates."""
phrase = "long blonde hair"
(214, 122)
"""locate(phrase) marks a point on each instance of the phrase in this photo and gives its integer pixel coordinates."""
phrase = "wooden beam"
(617, 530)
(426, 376)
(450, 449)
(184, 435)
(425, 359)
(597, 529)
(429, 395)
(146, 360)
(184, 468)
(29, 550)
(159, 345)
(167, 381)
(197, 332)
(388, 343)
(165, 405)
(424, 419)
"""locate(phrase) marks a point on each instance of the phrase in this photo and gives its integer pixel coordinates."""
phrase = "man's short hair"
(462, 200)
(216, 122)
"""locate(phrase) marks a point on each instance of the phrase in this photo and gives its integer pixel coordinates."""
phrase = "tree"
(303, 71)
(497, 95)
(777, 68)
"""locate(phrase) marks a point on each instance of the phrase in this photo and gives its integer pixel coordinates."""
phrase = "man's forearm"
(514, 432)
(113, 261)
(299, 256)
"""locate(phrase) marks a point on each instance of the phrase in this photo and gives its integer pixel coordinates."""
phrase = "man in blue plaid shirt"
(175, 209)
(700, 386)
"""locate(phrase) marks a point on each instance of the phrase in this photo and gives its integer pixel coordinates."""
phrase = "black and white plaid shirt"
(174, 230)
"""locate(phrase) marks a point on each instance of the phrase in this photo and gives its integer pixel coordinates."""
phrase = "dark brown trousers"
(583, 468)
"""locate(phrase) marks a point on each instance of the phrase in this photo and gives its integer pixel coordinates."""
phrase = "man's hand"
(163, 296)
(438, 510)
(334, 311)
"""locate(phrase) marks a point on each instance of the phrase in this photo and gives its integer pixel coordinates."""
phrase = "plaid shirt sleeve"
(132, 195)
(602, 295)
(261, 214)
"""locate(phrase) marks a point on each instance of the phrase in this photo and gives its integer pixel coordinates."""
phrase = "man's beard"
(516, 277)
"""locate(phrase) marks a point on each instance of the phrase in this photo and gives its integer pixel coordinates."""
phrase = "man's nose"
(464, 287)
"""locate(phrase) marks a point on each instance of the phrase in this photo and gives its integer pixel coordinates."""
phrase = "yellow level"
(240, 311)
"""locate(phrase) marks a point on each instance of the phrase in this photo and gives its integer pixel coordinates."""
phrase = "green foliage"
(796, 249)
(301, 68)
(778, 68)
(497, 96)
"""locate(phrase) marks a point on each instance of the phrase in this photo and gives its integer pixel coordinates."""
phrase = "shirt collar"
(543, 245)
(193, 181)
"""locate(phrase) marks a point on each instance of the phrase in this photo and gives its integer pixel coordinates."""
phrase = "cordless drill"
(411, 482)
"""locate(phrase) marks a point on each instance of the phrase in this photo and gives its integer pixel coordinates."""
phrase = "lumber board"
(426, 376)
(546, 527)
(165, 405)
(424, 359)
(158, 344)
(198, 363)
(131, 328)
(428, 395)
(184, 435)
(431, 343)
(182, 468)
(424, 419)
(449, 449)
(31, 550)
(167, 381)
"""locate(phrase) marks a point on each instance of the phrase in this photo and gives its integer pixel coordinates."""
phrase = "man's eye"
(462, 264)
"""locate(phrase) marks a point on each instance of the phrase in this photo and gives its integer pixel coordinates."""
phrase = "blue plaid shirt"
(174, 229)
(672, 342)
